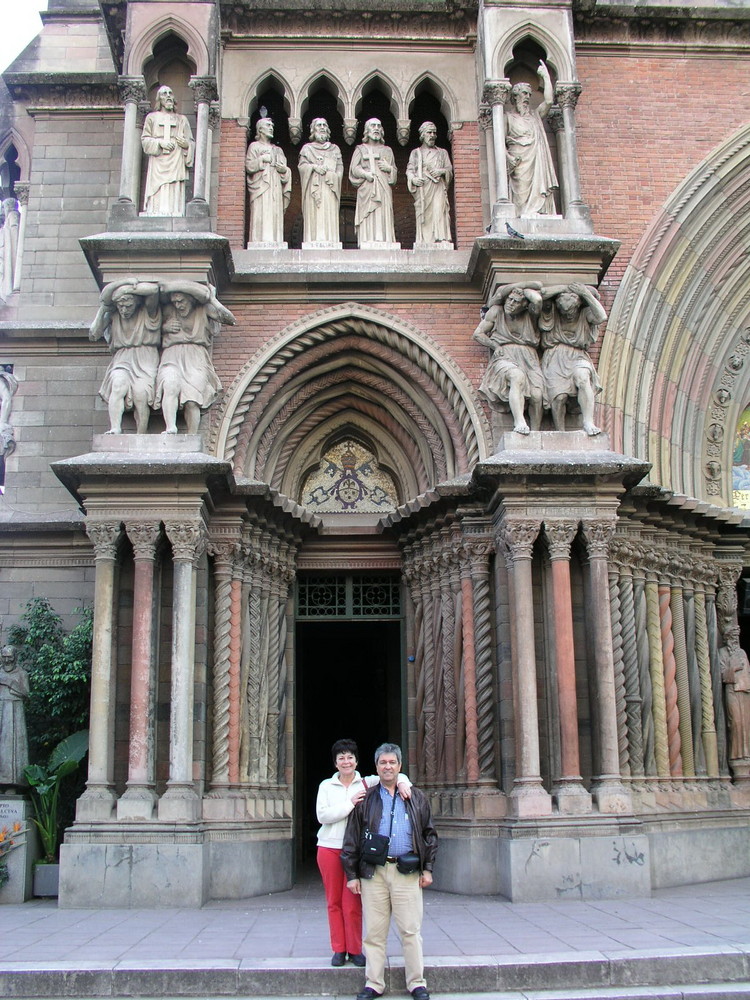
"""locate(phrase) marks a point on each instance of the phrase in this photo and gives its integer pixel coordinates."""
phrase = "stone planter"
(46, 880)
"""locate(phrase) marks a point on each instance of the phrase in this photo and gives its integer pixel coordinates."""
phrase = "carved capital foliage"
(567, 94)
(132, 89)
(560, 535)
(519, 535)
(187, 538)
(555, 118)
(484, 117)
(726, 595)
(204, 89)
(21, 191)
(225, 553)
(495, 92)
(598, 536)
(104, 535)
(143, 536)
(214, 115)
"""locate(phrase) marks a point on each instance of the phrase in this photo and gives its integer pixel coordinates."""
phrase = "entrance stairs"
(691, 942)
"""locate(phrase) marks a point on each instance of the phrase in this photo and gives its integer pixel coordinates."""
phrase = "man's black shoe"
(368, 993)
(358, 960)
(420, 993)
(339, 957)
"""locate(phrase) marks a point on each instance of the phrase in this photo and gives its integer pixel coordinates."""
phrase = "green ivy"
(59, 665)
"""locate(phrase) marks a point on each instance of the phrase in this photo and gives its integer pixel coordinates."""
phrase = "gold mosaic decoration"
(349, 480)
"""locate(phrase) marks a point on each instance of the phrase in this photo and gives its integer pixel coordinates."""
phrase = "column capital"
(187, 538)
(567, 94)
(132, 89)
(555, 118)
(105, 536)
(204, 89)
(495, 92)
(214, 115)
(519, 535)
(598, 535)
(559, 534)
(143, 536)
(224, 552)
(21, 191)
(484, 117)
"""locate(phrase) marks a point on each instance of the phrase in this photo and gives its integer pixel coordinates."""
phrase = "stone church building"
(374, 430)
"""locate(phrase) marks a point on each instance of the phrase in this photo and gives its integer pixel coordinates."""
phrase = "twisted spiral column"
(621, 711)
(670, 680)
(223, 553)
(683, 680)
(478, 549)
(631, 678)
(708, 723)
(644, 673)
(449, 665)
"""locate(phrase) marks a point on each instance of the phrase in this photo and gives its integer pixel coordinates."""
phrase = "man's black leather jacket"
(368, 812)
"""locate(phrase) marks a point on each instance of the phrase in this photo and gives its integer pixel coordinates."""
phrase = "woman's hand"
(354, 886)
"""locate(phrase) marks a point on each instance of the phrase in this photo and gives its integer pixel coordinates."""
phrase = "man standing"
(394, 888)
(269, 181)
(167, 141)
(428, 174)
(373, 173)
(321, 169)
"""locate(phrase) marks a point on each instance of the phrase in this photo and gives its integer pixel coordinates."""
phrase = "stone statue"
(8, 386)
(531, 173)
(167, 141)
(735, 674)
(186, 378)
(129, 319)
(8, 248)
(321, 169)
(513, 375)
(14, 747)
(428, 176)
(269, 181)
(373, 174)
(569, 325)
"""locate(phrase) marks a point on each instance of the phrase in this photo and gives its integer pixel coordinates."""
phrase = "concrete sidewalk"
(278, 945)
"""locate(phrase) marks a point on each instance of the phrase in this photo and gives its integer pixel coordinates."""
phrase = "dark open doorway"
(348, 685)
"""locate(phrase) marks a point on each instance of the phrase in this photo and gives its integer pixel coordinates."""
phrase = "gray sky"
(20, 22)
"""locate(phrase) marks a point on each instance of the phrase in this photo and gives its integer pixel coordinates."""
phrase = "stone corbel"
(403, 131)
(295, 130)
(350, 131)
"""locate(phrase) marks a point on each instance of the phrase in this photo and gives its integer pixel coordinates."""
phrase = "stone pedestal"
(18, 888)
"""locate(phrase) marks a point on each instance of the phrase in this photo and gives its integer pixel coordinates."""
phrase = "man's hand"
(355, 886)
(425, 880)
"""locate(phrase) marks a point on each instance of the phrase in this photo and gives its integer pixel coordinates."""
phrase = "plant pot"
(46, 879)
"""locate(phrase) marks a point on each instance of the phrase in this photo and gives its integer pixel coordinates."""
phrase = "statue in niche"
(514, 376)
(321, 169)
(186, 379)
(569, 325)
(735, 674)
(167, 141)
(8, 387)
(531, 172)
(373, 173)
(14, 690)
(8, 248)
(269, 181)
(428, 176)
(129, 319)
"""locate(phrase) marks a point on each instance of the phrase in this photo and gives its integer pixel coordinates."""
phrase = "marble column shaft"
(132, 91)
(567, 95)
(496, 94)
(205, 92)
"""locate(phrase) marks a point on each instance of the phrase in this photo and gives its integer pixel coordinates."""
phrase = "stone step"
(690, 973)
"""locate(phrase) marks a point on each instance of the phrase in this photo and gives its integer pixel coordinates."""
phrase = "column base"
(96, 804)
(179, 804)
(529, 799)
(572, 799)
(137, 803)
(611, 796)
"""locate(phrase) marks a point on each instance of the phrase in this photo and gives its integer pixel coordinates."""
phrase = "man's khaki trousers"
(386, 894)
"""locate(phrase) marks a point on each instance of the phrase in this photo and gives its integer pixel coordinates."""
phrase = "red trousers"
(344, 908)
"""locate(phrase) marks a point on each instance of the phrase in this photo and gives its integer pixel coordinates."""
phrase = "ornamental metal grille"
(348, 597)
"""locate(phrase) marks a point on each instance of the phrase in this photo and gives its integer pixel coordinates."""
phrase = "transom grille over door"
(356, 598)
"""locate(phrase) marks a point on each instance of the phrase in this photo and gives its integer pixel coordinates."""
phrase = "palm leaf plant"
(45, 782)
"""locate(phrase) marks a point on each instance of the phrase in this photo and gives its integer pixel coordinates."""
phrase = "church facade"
(380, 370)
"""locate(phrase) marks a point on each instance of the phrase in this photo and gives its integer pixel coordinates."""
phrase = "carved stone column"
(495, 94)
(485, 126)
(21, 191)
(568, 790)
(557, 124)
(98, 800)
(226, 666)
(180, 802)
(205, 91)
(681, 672)
(214, 122)
(478, 547)
(132, 92)
(566, 95)
(528, 796)
(608, 789)
(138, 800)
(708, 720)
(670, 677)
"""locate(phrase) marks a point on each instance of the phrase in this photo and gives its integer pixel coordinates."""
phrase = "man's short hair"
(393, 748)
(344, 746)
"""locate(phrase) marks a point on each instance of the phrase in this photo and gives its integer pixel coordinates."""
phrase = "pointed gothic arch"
(675, 359)
(558, 58)
(160, 27)
(352, 365)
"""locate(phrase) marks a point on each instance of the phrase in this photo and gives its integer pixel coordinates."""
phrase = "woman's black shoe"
(358, 960)
(339, 957)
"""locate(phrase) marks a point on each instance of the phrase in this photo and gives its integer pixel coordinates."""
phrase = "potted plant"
(45, 782)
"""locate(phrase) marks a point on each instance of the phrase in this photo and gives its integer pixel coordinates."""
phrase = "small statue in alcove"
(428, 176)
(531, 172)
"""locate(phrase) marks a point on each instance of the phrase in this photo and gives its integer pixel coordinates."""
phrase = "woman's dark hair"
(344, 746)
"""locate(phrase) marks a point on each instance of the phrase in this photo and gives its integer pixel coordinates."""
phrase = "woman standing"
(337, 796)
